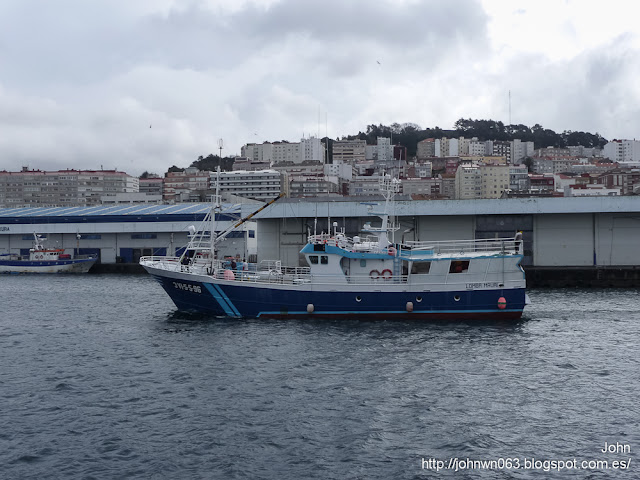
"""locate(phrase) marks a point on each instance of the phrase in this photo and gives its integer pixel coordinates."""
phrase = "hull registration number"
(188, 287)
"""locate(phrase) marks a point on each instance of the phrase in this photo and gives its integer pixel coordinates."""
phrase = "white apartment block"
(384, 150)
(446, 147)
(258, 185)
(349, 151)
(622, 151)
(477, 148)
(286, 152)
(312, 150)
(343, 171)
(258, 152)
(520, 150)
(63, 188)
(308, 149)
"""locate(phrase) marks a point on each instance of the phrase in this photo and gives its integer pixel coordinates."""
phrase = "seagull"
(378, 62)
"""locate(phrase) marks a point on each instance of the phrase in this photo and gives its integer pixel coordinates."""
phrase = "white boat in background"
(45, 260)
(368, 276)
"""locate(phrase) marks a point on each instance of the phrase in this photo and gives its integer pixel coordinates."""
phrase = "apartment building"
(365, 185)
(349, 151)
(152, 185)
(495, 180)
(554, 164)
(481, 181)
(178, 186)
(258, 152)
(62, 188)
(624, 151)
(431, 187)
(519, 178)
(426, 148)
(249, 164)
(468, 182)
(258, 185)
(626, 180)
(314, 186)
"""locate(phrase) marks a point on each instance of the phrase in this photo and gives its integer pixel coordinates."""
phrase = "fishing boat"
(364, 276)
(45, 260)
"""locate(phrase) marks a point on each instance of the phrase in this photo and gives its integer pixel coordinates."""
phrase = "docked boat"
(45, 260)
(364, 276)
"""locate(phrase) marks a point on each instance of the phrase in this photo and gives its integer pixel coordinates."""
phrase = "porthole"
(358, 298)
(418, 299)
(457, 298)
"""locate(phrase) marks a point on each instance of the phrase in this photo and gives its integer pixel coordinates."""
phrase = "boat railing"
(368, 243)
(273, 272)
(510, 246)
(339, 240)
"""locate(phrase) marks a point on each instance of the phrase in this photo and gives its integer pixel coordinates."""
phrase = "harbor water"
(100, 377)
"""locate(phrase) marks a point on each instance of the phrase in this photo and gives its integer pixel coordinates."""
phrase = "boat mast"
(215, 208)
(389, 186)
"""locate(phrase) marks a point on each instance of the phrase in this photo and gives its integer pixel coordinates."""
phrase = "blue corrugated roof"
(115, 213)
(191, 208)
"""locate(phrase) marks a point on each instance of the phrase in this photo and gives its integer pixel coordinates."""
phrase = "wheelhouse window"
(324, 260)
(459, 266)
(421, 267)
(313, 259)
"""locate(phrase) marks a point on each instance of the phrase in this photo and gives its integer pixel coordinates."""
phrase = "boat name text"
(4, 229)
(482, 285)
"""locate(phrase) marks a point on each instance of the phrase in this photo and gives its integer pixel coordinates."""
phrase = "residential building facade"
(70, 188)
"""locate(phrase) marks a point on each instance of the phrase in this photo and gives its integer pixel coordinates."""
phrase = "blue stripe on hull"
(242, 301)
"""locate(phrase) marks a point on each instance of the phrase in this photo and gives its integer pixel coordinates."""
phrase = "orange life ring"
(392, 251)
(384, 275)
(377, 274)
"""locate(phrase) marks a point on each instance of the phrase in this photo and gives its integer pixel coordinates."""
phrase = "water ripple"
(102, 378)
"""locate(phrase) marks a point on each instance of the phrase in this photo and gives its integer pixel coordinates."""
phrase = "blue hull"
(264, 302)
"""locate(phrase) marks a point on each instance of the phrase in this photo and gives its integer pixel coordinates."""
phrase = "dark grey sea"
(101, 378)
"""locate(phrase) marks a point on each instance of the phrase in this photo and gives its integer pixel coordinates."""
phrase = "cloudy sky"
(146, 84)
